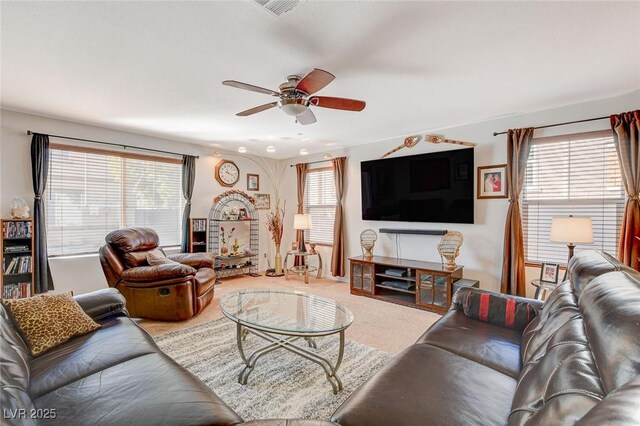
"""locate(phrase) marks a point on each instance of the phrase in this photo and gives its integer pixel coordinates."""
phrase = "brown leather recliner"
(168, 292)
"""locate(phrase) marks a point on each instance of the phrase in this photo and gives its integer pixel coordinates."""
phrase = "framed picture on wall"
(253, 182)
(549, 273)
(263, 201)
(492, 181)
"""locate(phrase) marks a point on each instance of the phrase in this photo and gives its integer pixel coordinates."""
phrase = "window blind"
(320, 203)
(574, 175)
(91, 193)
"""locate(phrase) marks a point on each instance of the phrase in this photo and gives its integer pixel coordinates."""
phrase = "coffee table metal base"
(278, 341)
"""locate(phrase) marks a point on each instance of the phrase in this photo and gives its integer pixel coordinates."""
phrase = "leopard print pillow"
(47, 320)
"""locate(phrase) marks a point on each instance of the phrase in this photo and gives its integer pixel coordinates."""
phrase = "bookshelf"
(198, 235)
(16, 249)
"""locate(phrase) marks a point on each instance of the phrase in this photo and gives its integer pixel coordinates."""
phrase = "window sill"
(320, 244)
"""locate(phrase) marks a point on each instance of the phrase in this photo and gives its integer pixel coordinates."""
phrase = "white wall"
(481, 253)
(84, 273)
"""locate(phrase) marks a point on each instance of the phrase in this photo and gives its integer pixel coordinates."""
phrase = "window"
(571, 175)
(93, 192)
(320, 203)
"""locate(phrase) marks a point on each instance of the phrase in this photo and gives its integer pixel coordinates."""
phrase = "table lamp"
(302, 222)
(571, 231)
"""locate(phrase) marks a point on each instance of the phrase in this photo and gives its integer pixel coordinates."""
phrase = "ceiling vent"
(278, 7)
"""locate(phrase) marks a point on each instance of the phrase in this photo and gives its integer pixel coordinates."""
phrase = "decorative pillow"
(498, 310)
(47, 320)
(157, 257)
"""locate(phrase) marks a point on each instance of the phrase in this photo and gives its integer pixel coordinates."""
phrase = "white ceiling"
(156, 67)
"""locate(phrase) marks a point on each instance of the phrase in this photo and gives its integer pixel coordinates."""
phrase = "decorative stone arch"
(233, 198)
(228, 200)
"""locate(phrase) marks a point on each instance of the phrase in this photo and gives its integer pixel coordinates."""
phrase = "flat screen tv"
(436, 187)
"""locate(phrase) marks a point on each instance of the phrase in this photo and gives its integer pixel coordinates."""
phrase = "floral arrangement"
(275, 224)
(226, 236)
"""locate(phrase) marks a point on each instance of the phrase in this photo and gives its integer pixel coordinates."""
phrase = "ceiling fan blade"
(257, 109)
(338, 103)
(251, 87)
(314, 81)
(307, 117)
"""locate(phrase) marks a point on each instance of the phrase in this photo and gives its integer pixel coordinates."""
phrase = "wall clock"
(227, 173)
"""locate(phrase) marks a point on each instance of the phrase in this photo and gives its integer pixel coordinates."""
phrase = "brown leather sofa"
(115, 375)
(170, 292)
(577, 362)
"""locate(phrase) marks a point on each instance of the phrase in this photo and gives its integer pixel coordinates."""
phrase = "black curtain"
(40, 173)
(188, 178)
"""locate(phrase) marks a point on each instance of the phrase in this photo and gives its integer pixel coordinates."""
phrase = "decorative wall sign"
(263, 201)
(492, 181)
(411, 141)
(442, 139)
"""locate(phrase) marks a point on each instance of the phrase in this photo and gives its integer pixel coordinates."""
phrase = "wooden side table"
(303, 269)
(542, 288)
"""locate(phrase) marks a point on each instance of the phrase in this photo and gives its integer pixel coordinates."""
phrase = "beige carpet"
(381, 325)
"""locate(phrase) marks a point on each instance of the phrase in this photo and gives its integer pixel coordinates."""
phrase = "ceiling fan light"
(293, 107)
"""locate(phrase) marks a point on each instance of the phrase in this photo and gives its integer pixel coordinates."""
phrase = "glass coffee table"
(283, 317)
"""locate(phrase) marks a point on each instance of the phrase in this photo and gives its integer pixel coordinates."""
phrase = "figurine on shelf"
(19, 208)
(234, 213)
(235, 247)
(449, 248)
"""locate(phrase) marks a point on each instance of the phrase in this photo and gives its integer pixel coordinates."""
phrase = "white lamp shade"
(302, 221)
(575, 230)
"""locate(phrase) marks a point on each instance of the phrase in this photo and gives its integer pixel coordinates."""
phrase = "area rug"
(282, 385)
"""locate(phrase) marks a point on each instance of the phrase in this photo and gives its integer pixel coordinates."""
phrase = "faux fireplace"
(234, 234)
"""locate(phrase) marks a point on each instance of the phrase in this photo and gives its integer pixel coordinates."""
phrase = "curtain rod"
(560, 124)
(29, 132)
(315, 162)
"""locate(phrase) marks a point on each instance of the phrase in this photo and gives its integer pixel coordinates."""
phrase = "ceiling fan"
(295, 96)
